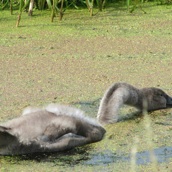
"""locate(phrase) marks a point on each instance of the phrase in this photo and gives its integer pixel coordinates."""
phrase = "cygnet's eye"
(160, 94)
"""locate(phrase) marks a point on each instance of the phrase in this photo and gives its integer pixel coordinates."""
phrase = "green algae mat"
(73, 62)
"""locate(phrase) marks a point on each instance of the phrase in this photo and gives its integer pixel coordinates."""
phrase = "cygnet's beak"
(169, 101)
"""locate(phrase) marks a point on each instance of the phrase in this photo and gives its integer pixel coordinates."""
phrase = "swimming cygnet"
(118, 94)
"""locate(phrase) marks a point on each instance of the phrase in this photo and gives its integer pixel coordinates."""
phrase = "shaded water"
(163, 154)
(81, 156)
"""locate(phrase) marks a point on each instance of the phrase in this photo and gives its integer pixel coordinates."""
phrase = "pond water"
(87, 156)
(162, 154)
(73, 157)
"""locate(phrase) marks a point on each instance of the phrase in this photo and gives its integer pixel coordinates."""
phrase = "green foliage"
(49, 3)
(41, 4)
(44, 4)
(7, 3)
(167, 2)
(21, 5)
(58, 7)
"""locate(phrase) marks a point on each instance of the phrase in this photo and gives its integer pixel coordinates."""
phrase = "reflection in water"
(163, 154)
(105, 158)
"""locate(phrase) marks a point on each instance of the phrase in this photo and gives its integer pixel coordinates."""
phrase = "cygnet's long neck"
(116, 96)
(149, 99)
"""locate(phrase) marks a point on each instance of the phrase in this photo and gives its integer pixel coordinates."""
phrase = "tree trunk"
(61, 10)
(31, 8)
(18, 20)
